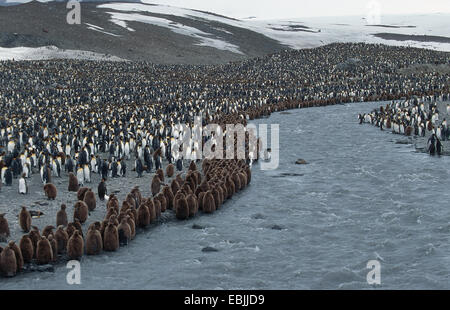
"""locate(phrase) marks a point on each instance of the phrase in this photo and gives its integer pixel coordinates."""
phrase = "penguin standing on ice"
(8, 177)
(23, 188)
(148, 159)
(123, 168)
(439, 148)
(102, 191)
(80, 176)
(179, 164)
(431, 145)
(44, 174)
(69, 164)
(104, 170)
(114, 170)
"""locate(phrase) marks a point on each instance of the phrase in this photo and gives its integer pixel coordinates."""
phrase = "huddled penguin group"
(202, 189)
(412, 117)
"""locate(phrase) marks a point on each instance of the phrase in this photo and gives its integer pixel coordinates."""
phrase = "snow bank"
(51, 52)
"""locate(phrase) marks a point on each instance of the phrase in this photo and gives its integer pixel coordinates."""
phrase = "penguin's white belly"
(22, 186)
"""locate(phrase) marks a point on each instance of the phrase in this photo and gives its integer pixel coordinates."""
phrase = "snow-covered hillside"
(307, 32)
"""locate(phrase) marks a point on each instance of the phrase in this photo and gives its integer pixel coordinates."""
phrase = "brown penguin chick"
(132, 224)
(204, 186)
(78, 227)
(81, 192)
(26, 248)
(191, 182)
(157, 208)
(162, 199)
(208, 203)
(50, 191)
(168, 194)
(151, 210)
(205, 164)
(110, 213)
(111, 238)
(47, 231)
(143, 216)
(80, 211)
(160, 174)
(103, 227)
(192, 166)
(182, 209)
(186, 188)
(216, 196)
(61, 216)
(200, 200)
(89, 200)
(192, 178)
(70, 229)
(170, 169)
(54, 246)
(25, 219)
(156, 185)
(35, 236)
(178, 196)
(113, 219)
(113, 203)
(8, 262)
(249, 174)
(4, 227)
(192, 203)
(132, 213)
(243, 179)
(237, 181)
(61, 238)
(94, 241)
(75, 246)
(179, 180)
(73, 183)
(130, 201)
(44, 254)
(224, 191)
(174, 186)
(198, 176)
(19, 258)
(137, 195)
(124, 231)
(125, 206)
(122, 215)
(97, 225)
(231, 189)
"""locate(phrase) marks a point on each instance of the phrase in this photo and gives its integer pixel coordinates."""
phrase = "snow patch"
(205, 38)
(51, 52)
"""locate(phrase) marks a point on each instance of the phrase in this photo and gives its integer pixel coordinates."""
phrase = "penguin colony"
(206, 192)
(413, 117)
(59, 118)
